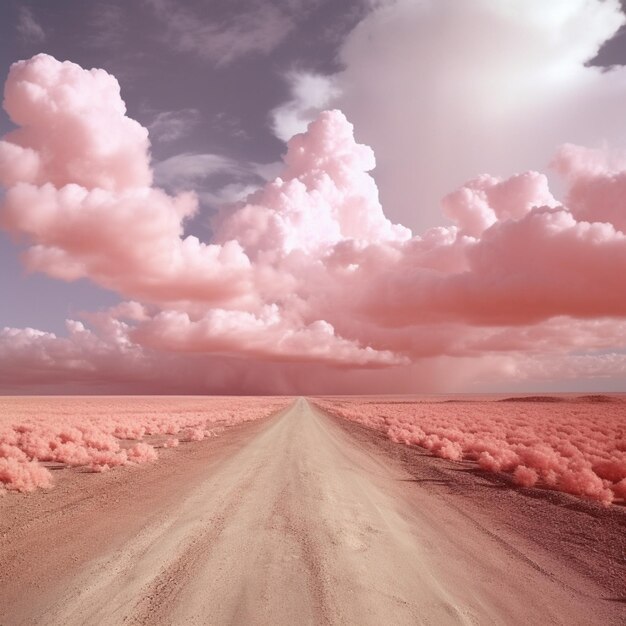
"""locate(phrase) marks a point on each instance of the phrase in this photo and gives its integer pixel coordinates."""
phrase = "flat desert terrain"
(306, 518)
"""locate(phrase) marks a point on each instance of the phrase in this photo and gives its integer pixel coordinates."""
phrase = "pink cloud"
(597, 183)
(307, 269)
(323, 196)
(72, 128)
(266, 336)
(482, 202)
(82, 169)
(532, 263)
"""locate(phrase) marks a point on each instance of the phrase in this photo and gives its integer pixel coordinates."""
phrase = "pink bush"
(196, 434)
(525, 476)
(619, 489)
(97, 432)
(142, 453)
(24, 476)
(573, 445)
(450, 450)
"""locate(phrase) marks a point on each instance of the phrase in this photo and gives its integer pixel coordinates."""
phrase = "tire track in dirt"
(166, 586)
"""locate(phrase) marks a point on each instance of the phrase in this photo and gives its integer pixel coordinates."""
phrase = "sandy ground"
(304, 519)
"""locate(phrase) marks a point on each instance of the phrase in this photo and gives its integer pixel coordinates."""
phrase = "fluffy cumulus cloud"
(445, 91)
(82, 167)
(306, 284)
(310, 94)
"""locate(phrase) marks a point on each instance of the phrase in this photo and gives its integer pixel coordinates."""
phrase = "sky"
(372, 196)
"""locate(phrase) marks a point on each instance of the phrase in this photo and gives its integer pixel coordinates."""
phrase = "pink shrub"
(21, 476)
(450, 450)
(575, 445)
(129, 431)
(72, 454)
(87, 432)
(614, 470)
(488, 462)
(8, 451)
(619, 489)
(525, 476)
(195, 434)
(585, 483)
(142, 453)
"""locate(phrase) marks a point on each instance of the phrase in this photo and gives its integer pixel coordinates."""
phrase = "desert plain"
(190, 510)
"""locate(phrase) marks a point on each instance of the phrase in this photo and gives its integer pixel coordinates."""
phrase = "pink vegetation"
(575, 446)
(102, 433)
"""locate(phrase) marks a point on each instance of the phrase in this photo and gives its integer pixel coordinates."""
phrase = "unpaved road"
(288, 521)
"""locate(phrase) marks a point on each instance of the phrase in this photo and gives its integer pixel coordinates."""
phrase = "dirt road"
(291, 521)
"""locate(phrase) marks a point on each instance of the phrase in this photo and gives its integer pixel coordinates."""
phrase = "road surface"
(288, 521)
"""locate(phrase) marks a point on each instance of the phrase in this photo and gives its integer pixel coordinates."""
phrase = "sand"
(303, 519)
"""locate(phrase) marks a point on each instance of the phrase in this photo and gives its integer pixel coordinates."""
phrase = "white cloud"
(172, 125)
(186, 171)
(257, 29)
(267, 171)
(446, 90)
(228, 194)
(108, 26)
(205, 174)
(310, 93)
(230, 125)
(28, 27)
